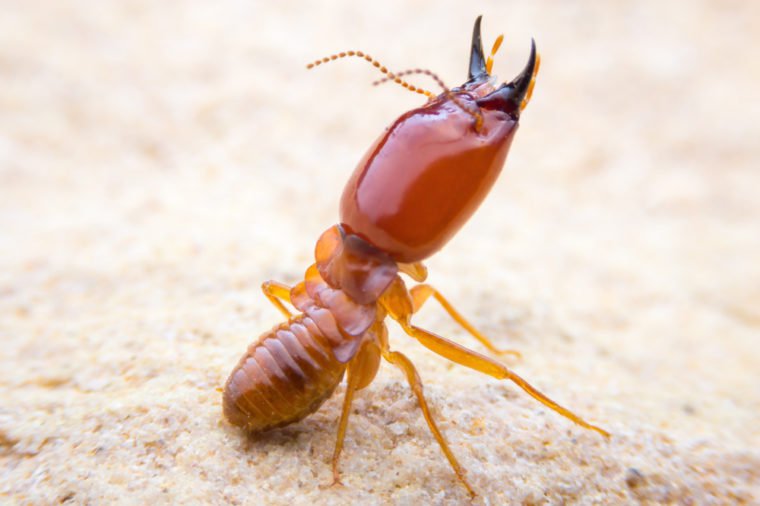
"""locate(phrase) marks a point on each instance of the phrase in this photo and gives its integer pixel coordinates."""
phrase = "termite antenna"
(398, 74)
(391, 76)
(395, 77)
(451, 96)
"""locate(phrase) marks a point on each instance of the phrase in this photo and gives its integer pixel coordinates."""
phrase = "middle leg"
(421, 293)
(399, 303)
(362, 365)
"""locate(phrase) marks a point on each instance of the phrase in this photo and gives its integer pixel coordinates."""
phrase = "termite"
(413, 190)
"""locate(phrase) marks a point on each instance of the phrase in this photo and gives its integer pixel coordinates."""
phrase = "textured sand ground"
(159, 160)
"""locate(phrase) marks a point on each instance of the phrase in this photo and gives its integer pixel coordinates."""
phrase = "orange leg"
(402, 362)
(468, 358)
(399, 303)
(355, 368)
(276, 292)
(421, 293)
(417, 271)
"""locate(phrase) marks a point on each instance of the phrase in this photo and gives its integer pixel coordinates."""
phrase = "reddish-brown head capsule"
(428, 173)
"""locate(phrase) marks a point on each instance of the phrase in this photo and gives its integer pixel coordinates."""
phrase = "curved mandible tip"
(477, 61)
(521, 83)
(512, 97)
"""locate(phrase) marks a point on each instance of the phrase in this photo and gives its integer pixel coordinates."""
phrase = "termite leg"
(276, 292)
(421, 293)
(468, 358)
(402, 362)
(355, 367)
(417, 271)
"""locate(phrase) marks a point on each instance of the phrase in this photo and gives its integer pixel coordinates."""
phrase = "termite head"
(430, 170)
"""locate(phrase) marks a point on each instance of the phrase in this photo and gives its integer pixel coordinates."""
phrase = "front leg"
(276, 292)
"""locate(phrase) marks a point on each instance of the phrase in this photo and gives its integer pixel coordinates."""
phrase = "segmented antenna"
(532, 84)
(391, 76)
(398, 74)
(475, 114)
(451, 96)
(424, 72)
(494, 49)
(395, 77)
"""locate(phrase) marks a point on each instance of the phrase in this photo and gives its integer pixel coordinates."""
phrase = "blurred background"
(159, 160)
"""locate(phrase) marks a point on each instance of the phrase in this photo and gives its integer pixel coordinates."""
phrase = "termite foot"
(335, 482)
(600, 431)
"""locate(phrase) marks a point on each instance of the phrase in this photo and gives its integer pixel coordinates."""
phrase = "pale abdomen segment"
(283, 377)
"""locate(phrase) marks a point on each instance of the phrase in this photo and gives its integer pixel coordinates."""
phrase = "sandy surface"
(159, 160)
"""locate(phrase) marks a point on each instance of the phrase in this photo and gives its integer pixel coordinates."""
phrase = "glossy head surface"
(428, 173)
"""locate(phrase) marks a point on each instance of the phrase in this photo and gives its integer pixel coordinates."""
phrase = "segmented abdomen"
(283, 377)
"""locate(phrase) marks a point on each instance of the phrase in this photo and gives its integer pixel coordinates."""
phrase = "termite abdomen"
(283, 377)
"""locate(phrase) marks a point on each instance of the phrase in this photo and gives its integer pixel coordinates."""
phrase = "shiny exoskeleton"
(413, 190)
